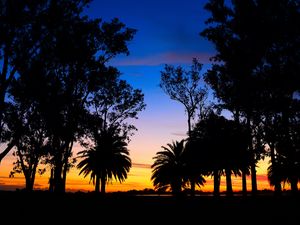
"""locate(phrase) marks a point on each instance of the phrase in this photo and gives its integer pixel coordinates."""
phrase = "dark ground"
(87, 208)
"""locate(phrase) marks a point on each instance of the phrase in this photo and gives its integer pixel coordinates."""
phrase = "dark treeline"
(57, 89)
(255, 76)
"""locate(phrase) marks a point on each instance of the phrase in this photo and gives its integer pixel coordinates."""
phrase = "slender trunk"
(51, 181)
(229, 191)
(244, 182)
(277, 182)
(97, 186)
(253, 160)
(103, 184)
(66, 165)
(193, 187)
(253, 177)
(57, 176)
(216, 183)
(32, 176)
(193, 183)
(58, 167)
(64, 178)
(244, 170)
(189, 125)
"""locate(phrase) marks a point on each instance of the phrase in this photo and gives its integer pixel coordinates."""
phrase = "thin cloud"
(141, 165)
(164, 58)
(179, 134)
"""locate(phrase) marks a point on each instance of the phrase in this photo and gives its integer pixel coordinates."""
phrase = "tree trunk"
(277, 182)
(193, 187)
(64, 178)
(66, 165)
(253, 160)
(244, 182)
(216, 183)
(229, 191)
(103, 184)
(193, 184)
(189, 125)
(51, 181)
(32, 175)
(294, 185)
(28, 185)
(253, 177)
(58, 181)
(97, 185)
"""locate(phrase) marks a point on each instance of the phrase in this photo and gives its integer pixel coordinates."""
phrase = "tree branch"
(7, 150)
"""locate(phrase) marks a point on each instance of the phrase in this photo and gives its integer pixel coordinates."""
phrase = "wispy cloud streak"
(164, 58)
(141, 165)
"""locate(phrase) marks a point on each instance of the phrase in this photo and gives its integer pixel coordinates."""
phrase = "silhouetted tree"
(111, 106)
(20, 39)
(168, 168)
(222, 148)
(114, 103)
(74, 58)
(186, 87)
(26, 125)
(257, 45)
(56, 43)
(107, 160)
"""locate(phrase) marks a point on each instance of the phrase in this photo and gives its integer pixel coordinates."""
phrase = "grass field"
(88, 208)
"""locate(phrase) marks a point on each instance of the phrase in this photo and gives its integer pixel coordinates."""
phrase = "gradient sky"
(167, 33)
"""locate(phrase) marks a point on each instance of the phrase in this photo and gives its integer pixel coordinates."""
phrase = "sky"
(167, 33)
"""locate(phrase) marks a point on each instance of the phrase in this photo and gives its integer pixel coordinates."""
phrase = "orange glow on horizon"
(138, 179)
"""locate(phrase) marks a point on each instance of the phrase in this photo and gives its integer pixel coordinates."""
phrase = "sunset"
(179, 104)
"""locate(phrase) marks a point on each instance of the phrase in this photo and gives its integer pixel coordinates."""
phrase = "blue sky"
(167, 33)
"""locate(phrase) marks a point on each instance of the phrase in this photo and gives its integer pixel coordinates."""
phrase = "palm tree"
(107, 160)
(168, 168)
(174, 168)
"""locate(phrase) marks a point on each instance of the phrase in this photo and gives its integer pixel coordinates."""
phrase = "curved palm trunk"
(229, 191)
(216, 183)
(103, 184)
